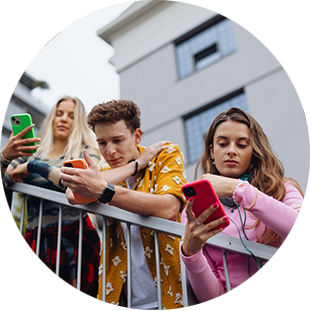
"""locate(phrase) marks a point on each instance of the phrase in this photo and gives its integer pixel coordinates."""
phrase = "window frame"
(185, 51)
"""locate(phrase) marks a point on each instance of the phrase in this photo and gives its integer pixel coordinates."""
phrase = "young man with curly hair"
(145, 181)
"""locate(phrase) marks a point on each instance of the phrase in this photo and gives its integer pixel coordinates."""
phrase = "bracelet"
(240, 183)
(253, 203)
(136, 167)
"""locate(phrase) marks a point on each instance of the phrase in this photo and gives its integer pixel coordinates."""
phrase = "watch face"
(107, 194)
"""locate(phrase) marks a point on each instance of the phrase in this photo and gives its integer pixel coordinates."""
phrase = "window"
(204, 45)
(198, 123)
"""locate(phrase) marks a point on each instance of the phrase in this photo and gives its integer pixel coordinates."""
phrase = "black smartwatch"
(107, 194)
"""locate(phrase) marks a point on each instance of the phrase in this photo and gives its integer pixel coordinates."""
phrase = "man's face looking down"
(117, 143)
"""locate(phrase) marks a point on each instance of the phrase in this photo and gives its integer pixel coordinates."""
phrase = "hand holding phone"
(79, 163)
(203, 199)
(19, 123)
(204, 196)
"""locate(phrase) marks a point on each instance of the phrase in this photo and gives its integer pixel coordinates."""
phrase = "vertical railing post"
(39, 228)
(129, 265)
(225, 261)
(263, 253)
(158, 270)
(80, 250)
(59, 239)
(104, 244)
(183, 280)
(21, 225)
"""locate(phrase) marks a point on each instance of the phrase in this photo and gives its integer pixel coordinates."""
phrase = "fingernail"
(215, 204)
(225, 218)
(32, 125)
(191, 199)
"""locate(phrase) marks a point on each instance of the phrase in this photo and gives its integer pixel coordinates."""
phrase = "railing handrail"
(220, 241)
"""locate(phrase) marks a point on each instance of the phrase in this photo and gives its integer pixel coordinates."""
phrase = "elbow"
(171, 207)
(171, 214)
(7, 181)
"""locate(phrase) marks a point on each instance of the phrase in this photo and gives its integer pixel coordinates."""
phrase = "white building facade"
(183, 65)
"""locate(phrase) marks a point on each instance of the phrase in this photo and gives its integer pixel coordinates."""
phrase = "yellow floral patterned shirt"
(164, 175)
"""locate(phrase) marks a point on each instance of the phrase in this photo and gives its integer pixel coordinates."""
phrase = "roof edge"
(137, 9)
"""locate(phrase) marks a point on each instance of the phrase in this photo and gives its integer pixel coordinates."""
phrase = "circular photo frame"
(210, 101)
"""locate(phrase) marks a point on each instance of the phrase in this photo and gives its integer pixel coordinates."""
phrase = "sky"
(76, 62)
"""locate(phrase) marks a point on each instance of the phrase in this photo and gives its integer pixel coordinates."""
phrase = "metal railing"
(223, 242)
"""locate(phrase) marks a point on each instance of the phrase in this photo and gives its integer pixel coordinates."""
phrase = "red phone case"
(204, 197)
(79, 163)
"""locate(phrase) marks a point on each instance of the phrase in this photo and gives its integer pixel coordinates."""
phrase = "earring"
(213, 161)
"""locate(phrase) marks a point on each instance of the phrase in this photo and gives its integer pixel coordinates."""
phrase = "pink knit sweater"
(205, 269)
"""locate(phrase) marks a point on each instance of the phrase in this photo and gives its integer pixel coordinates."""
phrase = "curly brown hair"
(114, 111)
(266, 171)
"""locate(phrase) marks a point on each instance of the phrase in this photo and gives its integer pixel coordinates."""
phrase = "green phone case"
(20, 122)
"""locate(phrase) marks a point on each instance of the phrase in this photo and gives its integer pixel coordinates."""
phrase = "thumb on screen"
(89, 160)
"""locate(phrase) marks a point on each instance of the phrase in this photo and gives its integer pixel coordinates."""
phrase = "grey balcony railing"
(223, 242)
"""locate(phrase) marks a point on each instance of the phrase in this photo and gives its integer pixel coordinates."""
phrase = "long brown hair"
(266, 171)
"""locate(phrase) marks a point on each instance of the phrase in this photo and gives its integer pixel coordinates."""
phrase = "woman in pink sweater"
(261, 204)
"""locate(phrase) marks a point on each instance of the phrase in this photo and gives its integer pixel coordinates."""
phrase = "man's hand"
(70, 197)
(87, 182)
(150, 152)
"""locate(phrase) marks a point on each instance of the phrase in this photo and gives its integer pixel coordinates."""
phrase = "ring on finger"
(198, 222)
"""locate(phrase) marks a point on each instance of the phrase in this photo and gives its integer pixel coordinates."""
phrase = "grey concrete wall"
(154, 80)
(154, 85)
(274, 103)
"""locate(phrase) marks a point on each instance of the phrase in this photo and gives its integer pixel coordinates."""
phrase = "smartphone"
(79, 163)
(20, 122)
(204, 196)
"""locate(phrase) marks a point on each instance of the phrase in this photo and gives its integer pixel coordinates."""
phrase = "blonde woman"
(64, 137)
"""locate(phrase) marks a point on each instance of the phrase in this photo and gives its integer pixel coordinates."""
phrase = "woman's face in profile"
(63, 120)
(232, 149)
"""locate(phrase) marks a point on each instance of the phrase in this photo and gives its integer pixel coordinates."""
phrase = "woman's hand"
(19, 173)
(15, 146)
(223, 186)
(196, 233)
(150, 152)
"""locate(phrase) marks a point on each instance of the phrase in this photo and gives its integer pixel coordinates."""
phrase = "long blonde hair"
(80, 136)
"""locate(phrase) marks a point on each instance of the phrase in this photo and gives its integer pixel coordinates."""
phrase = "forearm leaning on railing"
(221, 242)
